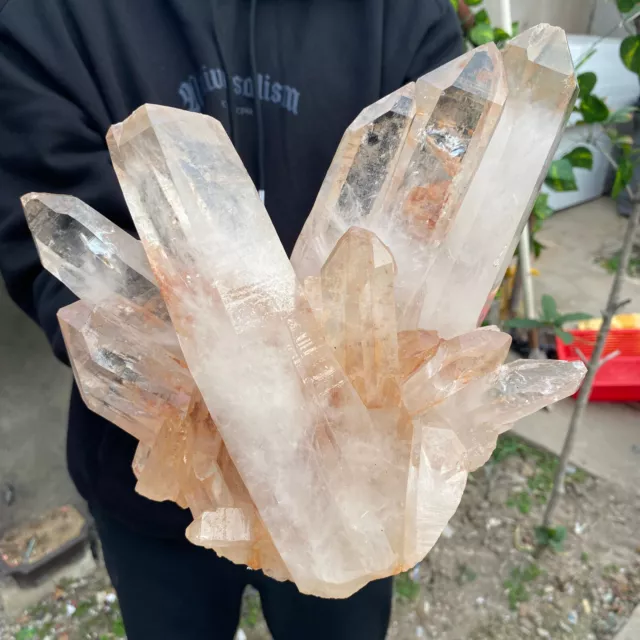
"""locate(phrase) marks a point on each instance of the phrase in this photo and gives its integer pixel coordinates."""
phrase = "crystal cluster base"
(318, 416)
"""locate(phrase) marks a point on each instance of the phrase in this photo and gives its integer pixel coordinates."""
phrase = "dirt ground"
(480, 582)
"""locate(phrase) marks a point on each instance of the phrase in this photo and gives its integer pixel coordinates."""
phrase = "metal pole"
(524, 256)
(505, 22)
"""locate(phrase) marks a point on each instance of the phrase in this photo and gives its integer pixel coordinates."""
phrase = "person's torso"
(317, 64)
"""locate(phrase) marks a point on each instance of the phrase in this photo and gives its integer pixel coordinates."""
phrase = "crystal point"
(522, 145)
(180, 176)
(455, 363)
(87, 252)
(360, 315)
(547, 46)
(358, 178)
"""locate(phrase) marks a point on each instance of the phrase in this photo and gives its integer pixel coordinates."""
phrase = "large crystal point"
(459, 434)
(289, 416)
(474, 254)
(458, 107)
(126, 356)
(455, 363)
(490, 405)
(124, 373)
(359, 315)
(358, 178)
(88, 253)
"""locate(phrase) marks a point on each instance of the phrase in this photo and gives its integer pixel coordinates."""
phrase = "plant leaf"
(542, 535)
(481, 34)
(500, 35)
(622, 115)
(630, 53)
(537, 247)
(523, 323)
(581, 157)
(573, 317)
(622, 140)
(624, 6)
(541, 208)
(565, 336)
(515, 28)
(482, 17)
(586, 83)
(561, 176)
(473, 3)
(549, 308)
(593, 109)
(624, 174)
(455, 4)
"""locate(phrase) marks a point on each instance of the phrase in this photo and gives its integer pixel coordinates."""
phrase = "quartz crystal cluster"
(318, 415)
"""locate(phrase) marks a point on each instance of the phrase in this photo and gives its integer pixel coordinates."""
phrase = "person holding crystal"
(285, 78)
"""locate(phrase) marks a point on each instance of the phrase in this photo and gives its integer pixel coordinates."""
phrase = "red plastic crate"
(617, 380)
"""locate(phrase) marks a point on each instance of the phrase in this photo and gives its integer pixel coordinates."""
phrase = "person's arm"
(441, 40)
(48, 143)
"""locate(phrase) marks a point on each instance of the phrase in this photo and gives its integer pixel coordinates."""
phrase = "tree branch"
(594, 46)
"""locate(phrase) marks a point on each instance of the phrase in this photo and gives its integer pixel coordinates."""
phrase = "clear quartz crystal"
(438, 152)
(89, 254)
(123, 372)
(358, 178)
(318, 417)
(472, 259)
(295, 421)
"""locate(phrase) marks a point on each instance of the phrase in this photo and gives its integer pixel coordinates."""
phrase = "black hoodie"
(285, 77)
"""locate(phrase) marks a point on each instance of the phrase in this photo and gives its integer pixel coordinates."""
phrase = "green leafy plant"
(406, 588)
(508, 446)
(250, 611)
(540, 212)
(625, 6)
(550, 319)
(117, 628)
(483, 30)
(516, 585)
(551, 537)
(612, 262)
(522, 501)
(540, 482)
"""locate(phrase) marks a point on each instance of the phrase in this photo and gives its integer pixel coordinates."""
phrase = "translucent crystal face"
(318, 417)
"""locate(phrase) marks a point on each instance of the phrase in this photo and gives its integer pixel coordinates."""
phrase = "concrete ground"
(34, 392)
(631, 630)
(608, 443)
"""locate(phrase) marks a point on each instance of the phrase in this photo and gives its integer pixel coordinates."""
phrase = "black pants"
(173, 590)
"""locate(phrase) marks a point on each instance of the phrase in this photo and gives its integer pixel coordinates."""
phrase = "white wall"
(574, 16)
(606, 17)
